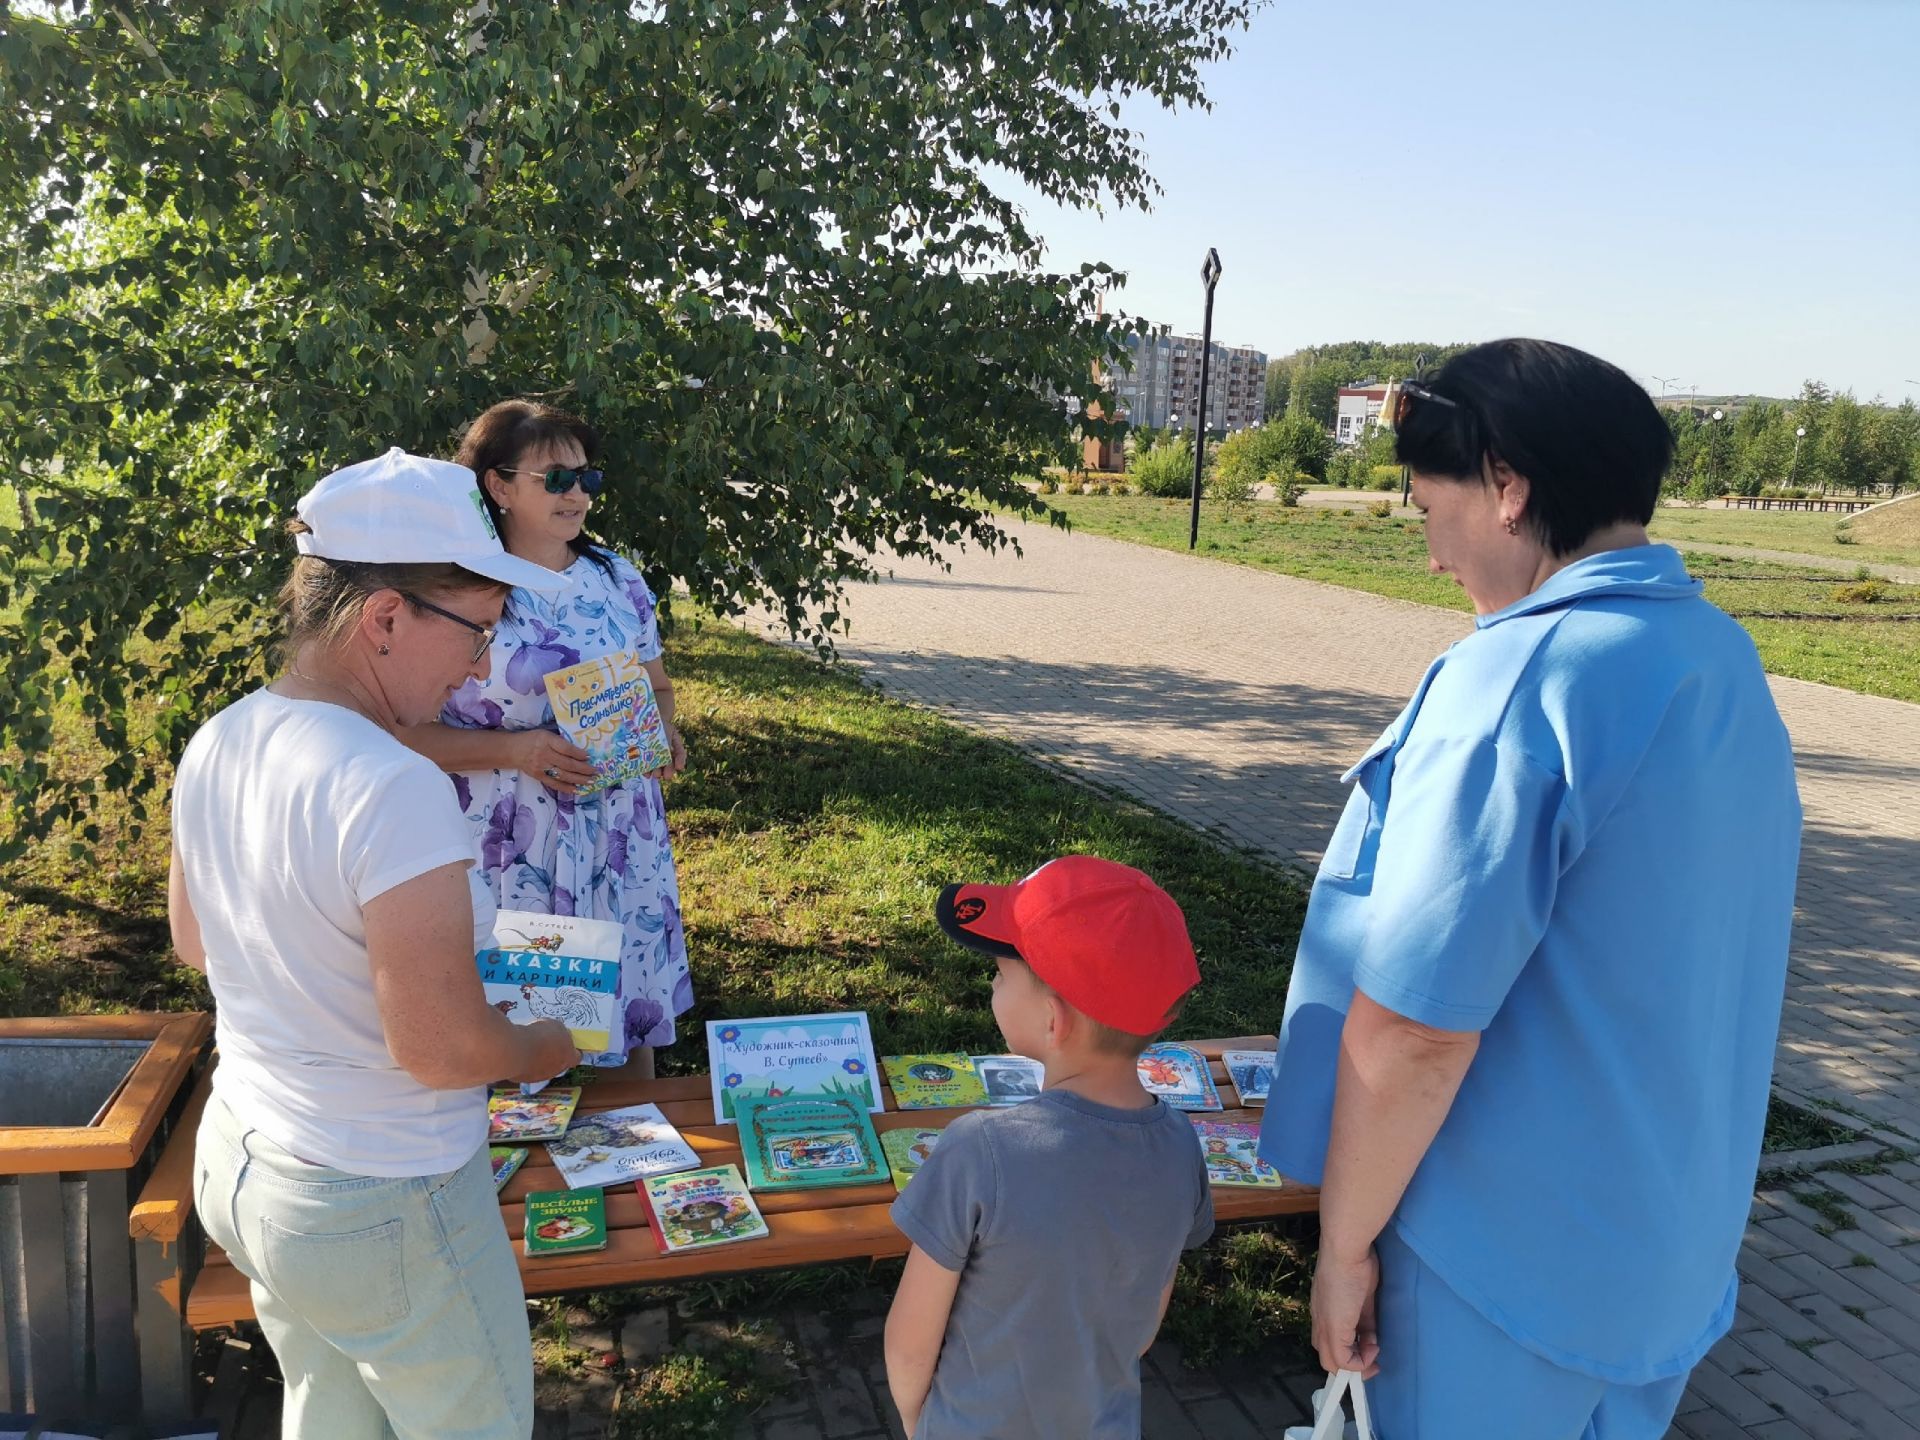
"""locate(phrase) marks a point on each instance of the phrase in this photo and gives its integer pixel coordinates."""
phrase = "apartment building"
(1161, 387)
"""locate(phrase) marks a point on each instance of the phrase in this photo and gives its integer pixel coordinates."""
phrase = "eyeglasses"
(1412, 390)
(562, 478)
(483, 634)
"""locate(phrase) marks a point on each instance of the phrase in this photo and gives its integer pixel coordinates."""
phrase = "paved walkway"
(1231, 698)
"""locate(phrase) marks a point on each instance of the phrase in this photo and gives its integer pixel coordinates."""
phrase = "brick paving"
(1232, 699)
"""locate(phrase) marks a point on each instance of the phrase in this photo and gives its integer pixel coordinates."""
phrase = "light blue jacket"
(1580, 838)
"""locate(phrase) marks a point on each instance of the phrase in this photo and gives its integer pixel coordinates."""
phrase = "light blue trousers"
(1448, 1373)
(394, 1306)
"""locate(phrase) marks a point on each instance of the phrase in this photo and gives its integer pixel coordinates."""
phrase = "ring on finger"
(552, 774)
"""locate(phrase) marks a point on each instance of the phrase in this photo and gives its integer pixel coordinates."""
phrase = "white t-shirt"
(288, 817)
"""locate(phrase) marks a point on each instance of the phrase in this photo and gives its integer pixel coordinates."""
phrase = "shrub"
(1236, 488)
(1119, 487)
(1381, 509)
(1165, 470)
(1075, 486)
(1384, 477)
(1049, 485)
(1843, 535)
(1861, 592)
(1289, 491)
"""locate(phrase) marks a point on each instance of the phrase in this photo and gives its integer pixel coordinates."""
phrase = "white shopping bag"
(1330, 1417)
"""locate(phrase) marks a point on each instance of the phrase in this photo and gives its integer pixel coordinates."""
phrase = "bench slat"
(166, 1200)
(808, 1226)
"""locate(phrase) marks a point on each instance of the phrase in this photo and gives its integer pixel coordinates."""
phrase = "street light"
(1210, 277)
(1712, 445)
(1665, 381)
(1799, 434)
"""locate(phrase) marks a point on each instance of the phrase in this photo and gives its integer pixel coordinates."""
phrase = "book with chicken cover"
(555, 967)
(607, 708)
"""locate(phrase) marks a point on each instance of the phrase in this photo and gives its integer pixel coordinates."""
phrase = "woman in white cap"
(322, 877)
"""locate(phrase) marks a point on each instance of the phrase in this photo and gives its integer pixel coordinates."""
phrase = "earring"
(1513, 526)
(384, 650)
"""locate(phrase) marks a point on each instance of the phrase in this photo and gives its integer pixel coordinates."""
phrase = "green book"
(561, 1222)
(907, 1149)
(933, 1082)
(798, 1142)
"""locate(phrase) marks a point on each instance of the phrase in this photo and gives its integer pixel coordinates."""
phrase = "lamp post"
(1713, 441)
(1665, 381)
(1210, 277)
(1799, 434)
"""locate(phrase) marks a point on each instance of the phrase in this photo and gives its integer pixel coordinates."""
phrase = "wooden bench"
(1807, 502)
(808, 1227)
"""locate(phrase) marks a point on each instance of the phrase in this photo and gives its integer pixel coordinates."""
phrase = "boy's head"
(1090, 951)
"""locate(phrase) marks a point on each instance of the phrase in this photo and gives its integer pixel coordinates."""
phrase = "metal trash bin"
(86, 1103)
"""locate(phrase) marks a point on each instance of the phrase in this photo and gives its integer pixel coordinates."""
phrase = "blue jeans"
(394, 1306)
(1449, 1373)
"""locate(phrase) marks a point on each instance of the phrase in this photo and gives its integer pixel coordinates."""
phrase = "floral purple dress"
(605, 855)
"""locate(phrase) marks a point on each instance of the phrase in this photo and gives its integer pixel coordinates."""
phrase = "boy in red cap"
(1045, 1235)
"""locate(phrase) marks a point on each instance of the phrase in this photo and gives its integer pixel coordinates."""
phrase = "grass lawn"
(814, 828)
(1803, 533)
(1857, 648)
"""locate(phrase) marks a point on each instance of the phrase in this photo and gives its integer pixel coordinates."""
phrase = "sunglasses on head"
(1411, 391)
(562, 478)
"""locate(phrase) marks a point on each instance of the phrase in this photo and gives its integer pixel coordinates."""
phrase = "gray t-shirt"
(1065, 1219)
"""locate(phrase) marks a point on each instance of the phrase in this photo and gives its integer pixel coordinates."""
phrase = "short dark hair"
(505, 432)
(1588, 438)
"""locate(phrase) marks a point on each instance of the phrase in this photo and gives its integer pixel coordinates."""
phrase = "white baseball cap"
(403, 509)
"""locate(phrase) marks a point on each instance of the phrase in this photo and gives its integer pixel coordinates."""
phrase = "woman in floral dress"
(543, 845)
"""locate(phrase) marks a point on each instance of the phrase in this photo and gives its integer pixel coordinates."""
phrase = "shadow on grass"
(818, 823)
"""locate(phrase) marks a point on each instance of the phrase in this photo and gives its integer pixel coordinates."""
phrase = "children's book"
(606, 707)
(1232, 1153)
(619, 1145)
(555, 967)
(1009, 1079)
(1179, 1075)
(701, 1207)
(561, 1222)
(513, 1116)
(506, 1160)
(787, 1055)
(797, 1142)
(933, 1082)
(1252, 1072)
(907, 1149)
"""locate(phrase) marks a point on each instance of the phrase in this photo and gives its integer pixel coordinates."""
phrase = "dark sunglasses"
(483, 635)
(562, 478)
(1412, 390)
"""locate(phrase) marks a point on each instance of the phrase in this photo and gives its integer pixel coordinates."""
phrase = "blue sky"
(1723, 191)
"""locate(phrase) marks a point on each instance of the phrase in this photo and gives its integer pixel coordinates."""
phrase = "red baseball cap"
(1108, 940)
